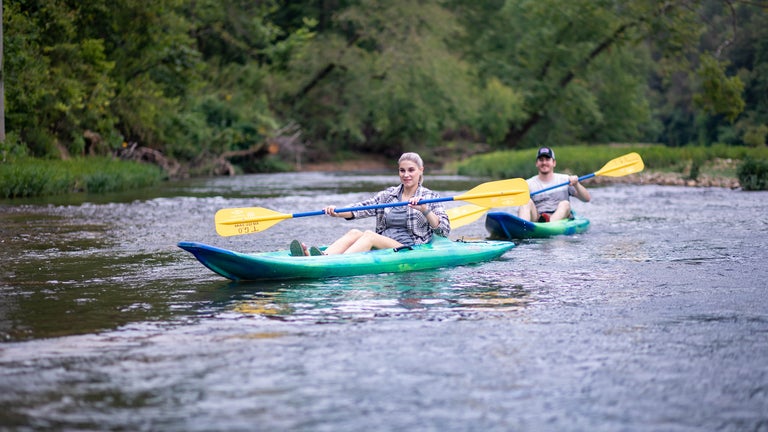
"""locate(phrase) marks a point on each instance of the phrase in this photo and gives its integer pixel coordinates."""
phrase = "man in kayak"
(395, 226)
(555, 204)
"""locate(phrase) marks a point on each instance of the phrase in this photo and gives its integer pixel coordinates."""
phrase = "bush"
(578, 160)
(28, 177)
(583, 159)
(22, 180)
(753, 174)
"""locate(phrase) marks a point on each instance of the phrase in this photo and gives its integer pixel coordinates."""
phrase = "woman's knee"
(354, 233)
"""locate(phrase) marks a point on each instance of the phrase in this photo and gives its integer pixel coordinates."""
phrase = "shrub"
(28, 177)
(753, 174)
(583, 159)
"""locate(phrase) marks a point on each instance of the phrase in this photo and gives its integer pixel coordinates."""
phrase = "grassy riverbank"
(27, 177)
(719, 166)
(723, 166)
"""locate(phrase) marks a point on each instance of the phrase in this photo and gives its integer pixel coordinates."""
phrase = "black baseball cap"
(546, 151)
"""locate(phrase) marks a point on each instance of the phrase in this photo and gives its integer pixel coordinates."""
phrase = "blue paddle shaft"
(371, 207)
(582, 178)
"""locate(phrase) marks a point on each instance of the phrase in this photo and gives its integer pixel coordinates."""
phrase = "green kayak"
(441, 252)
(505, 226)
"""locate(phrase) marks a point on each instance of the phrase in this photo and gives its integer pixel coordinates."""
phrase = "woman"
(395, 226)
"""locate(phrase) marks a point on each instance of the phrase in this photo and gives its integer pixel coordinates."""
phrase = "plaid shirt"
(417, 223)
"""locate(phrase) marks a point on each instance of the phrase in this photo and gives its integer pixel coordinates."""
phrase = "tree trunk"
(2, 79)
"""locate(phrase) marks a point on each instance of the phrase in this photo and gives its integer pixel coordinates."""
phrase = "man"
(555, 204)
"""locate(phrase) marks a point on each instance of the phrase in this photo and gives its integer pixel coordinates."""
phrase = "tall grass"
(27, 177)
(581, 160)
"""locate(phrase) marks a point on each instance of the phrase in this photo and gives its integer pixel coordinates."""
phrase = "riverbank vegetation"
(27, 177)
(753, 174)
(216, 87)
(720, 165)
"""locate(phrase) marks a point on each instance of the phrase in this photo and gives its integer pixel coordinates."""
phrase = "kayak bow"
(506, 226)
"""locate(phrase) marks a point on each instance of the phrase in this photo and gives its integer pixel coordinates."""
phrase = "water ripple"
(655, 319)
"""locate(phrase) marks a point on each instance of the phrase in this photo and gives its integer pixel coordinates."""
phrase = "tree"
(198, 79)
(57, 85)
(562, 55)
(737, 37)
(383, 76)
(2, 79)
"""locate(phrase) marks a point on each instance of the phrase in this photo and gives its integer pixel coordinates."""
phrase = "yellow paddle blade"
(465, 215)
(238, 221)
(501, 193)
(628, 164)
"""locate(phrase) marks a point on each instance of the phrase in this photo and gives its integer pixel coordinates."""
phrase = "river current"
(654, 319)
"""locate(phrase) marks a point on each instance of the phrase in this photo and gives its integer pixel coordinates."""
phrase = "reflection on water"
(655, 319)
(629, 251)
(430, 294)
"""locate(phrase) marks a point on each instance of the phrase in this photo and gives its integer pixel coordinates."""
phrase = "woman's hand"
(423, 208)
(331, 211)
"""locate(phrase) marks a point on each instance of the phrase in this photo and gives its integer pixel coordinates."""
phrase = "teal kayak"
(505, 226)
(441, 252)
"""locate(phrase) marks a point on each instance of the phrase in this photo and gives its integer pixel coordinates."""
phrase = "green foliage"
(720, 94)
(129, 70)
(240, 31)
(12, 148)
(500, 106)
(695, 169)
(27, 180)
(384, 79)
(556, 55)
(750, 58)
(57, 85)
(268, 165)
(28, 177)
(156, 63)
(716, 91)
(581, 159)
(522, 163)
(753, 174)
(756, 136)
(197, 79)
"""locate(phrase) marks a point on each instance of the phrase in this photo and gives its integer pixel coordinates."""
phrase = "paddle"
(624, 165)
(239, 221)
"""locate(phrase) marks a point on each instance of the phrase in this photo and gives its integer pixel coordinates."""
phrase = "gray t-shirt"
(397, 225)
(547, 201)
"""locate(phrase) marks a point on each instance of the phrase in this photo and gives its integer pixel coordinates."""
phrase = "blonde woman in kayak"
(395, 226)
(555, 204)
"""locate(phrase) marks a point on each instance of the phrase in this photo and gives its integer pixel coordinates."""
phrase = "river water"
(655, 319)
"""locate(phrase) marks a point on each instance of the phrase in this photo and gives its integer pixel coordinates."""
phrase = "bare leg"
(344, 242)
(370, 240)
(528, 211)
(563, 211)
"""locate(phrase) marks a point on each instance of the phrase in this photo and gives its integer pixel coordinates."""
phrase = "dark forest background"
(197, 79)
